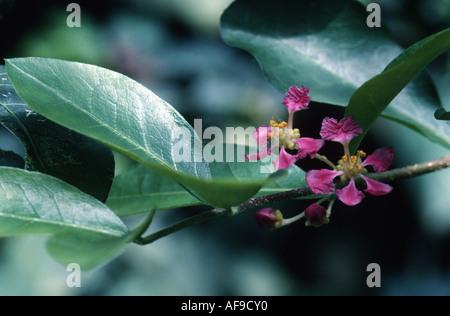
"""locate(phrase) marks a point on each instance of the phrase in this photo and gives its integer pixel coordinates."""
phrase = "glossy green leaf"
(56, 150)
(35, 203)
(139, 190)
(107, 106)
(295, 179)
(129, 118)
(371, 99)
(11, 159)
(87, 249)
(327, 46)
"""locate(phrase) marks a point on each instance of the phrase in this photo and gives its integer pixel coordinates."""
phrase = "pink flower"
(351, 168)
(296, 99)
(285, 138)
(342, 132)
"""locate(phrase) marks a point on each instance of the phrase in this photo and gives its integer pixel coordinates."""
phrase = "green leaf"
(370, 100)
(88, 249)
(295, 179)
(11, 159)
(441, 114)
(56, 150)
(139, 190)
(112, 109)
(129, 118)
(35, 203)
(327, 46)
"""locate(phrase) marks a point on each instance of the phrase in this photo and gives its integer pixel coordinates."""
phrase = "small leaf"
(370, 100)
(327, 46)
(56, 150)
(11, 159)
(35, 203)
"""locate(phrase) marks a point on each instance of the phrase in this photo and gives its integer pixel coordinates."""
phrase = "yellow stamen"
(291, 146)
(344, 159)
(272, 123)
(353, 159)
(350, 169)
(362, 154)
(269, 135)
(358, 166)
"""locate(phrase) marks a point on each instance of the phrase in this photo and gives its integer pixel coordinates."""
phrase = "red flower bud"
(269, 218)
(316, 215)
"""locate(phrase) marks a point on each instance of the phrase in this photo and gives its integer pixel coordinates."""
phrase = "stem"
(288, 221)
(291, 121)
(347, 149)
(325, 160)
(196, 219)
(387, 176)
(413, 170)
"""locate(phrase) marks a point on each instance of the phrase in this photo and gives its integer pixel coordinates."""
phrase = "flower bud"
(316, 215)
(269, 218)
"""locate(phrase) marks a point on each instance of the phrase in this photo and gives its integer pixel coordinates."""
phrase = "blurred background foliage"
(174, 48)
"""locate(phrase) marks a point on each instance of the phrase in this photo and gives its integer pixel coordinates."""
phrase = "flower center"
(284, 134)
(351, 166)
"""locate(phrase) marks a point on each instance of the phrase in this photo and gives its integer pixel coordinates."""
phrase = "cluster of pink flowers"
(349, 168)
(284, 136)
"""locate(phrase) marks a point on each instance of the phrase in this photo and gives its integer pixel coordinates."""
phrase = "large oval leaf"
(35, 203)
(128, 117)
(56, 150)
(111, 108)
(326, 45)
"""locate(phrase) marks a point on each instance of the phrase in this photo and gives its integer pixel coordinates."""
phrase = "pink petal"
(260, 155)
(284, 160)
(350, 195)
(376, 187)
(308, 146)
(342, 132)
(321, 181)
(296, 99)
(380, 160)
(262, 135)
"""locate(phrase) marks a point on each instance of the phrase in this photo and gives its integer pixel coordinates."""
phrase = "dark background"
(174, 48)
